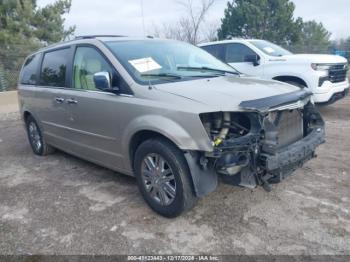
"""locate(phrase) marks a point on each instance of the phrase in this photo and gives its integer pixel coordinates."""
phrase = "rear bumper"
(296, 154)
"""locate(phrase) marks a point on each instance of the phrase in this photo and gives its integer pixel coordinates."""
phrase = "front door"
(235, 54)
(93, 114)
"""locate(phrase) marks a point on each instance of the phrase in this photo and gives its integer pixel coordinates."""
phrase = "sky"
(125, 16)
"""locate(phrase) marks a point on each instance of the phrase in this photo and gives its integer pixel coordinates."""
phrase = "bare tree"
(195, 17)
(169, 31)
(188, 27)
(211, 31)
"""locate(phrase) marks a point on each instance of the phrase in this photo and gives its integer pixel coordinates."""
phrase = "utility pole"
(143, 19)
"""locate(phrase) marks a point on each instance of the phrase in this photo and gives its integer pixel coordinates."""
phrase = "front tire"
(36, 140)
(164, 178)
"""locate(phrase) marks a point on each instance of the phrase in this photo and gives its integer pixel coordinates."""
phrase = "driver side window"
(236, 53)
(87, 62)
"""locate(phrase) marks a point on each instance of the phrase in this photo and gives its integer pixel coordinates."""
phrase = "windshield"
(161, 61)
(270, 48)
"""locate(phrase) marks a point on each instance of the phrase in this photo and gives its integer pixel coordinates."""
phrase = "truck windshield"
(270, 48)
(161, 61)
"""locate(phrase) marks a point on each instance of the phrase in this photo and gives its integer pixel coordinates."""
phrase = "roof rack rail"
(95, 36)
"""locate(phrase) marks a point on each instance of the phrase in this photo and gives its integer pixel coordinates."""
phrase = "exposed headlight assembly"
(224, 125)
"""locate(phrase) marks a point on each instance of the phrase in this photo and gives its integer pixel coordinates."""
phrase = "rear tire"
(164, 178)
(36, 140)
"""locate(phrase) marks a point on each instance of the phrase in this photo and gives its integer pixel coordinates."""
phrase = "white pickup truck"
(324, 75)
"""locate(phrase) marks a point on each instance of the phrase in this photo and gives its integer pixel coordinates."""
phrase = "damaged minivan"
(168, 113)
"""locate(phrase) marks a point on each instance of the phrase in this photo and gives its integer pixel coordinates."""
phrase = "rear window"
(30, 69)
(54, 68)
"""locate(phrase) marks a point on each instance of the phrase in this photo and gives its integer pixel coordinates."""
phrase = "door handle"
(71, 101)
(59, 100)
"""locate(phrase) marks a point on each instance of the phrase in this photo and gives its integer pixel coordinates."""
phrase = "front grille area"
(289, 128)
(337, 73)
(282, 129)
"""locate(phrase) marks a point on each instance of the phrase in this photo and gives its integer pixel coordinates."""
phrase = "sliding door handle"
(71, 101)
(59, 100)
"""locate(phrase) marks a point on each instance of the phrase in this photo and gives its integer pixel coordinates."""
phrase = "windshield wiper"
(204, 68)
(164, 75)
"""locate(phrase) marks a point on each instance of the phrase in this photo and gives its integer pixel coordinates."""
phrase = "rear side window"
(215, 50)
(236, 53)
(30, 69)
(54, 68)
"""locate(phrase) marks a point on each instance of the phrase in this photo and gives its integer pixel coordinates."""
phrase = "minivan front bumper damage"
(295, 154)
(274, 167)
(260, 157)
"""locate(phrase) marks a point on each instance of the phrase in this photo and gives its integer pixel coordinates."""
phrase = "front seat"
(90, 67)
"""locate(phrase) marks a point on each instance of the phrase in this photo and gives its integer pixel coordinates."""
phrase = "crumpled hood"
(313, 58)
(227, 92)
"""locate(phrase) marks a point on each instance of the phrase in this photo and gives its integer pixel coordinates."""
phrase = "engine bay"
(245, 143)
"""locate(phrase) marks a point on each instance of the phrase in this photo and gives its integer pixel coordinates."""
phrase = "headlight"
(320, 67)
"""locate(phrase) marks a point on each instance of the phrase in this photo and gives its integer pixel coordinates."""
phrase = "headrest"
(93, 65)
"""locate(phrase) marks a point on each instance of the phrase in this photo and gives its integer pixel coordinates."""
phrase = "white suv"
(324, 75)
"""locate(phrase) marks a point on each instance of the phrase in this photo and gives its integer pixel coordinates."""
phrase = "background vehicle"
(324, 75)
(168, 113)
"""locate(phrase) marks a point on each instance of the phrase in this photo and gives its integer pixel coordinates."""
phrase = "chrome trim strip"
(298, 104)
(78, 131)
(82, 90)
(82, 145)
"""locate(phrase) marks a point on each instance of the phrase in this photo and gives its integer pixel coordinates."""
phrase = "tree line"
(25, 27)
(271, 20)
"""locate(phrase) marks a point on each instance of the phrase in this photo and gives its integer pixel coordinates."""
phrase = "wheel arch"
(202, 181)
(139, 137)
(25, 115)
(155, 125)
(290, 78)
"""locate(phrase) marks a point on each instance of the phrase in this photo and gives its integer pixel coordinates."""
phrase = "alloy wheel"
(34, 136)
(158, 179)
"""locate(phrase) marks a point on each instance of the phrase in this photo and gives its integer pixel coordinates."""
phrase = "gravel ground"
(63, 205)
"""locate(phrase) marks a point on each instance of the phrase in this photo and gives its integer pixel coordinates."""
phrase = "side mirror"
(254, 59)
(102, 81)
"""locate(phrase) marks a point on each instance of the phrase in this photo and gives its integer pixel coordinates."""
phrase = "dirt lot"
(8, 102)
(63, 205)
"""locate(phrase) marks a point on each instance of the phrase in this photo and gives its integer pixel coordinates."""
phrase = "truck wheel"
(36, 140)
(164, 178)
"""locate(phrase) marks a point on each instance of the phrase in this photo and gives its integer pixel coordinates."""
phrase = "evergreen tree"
(25, 27)
(264, 19)
(315, 38)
